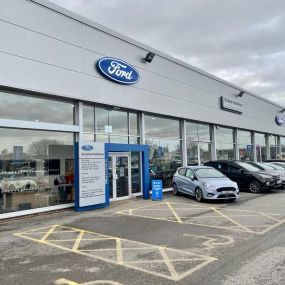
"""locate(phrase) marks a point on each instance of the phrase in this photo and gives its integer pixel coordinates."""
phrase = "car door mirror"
(241, 171)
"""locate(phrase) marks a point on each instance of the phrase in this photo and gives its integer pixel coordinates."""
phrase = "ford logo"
(279, 120)
(117, 70)
(87, 147)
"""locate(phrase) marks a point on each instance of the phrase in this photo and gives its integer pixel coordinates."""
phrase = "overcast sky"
(242, 41)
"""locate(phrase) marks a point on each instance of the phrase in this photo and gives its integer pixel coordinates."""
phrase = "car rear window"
(208, 173)
(182, 171)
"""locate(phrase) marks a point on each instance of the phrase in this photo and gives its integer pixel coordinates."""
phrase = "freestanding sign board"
(91, 175)
(156, 186)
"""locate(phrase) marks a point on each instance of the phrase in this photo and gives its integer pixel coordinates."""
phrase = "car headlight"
(207, 185)
(264, 176)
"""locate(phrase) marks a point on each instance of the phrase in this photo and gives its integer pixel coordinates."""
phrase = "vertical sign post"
(91, 176)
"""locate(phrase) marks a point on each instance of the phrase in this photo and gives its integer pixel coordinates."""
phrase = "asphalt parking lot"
(175, 241)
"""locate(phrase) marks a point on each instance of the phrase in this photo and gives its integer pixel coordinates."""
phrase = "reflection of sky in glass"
(36, 109)
(117, 119)
(244, 138)
(16, 137)
(224, 136)
(157, 127)
(273, 140)
(88, 119)
(196, 131)
(259, 139)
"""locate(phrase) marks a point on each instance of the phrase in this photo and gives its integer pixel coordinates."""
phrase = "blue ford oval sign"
(279, 120)
(87, 147)
(117, 70)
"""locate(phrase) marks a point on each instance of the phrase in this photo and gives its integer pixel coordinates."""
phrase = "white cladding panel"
(44, 50)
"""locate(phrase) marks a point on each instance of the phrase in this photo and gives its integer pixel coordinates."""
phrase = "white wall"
(44, 50)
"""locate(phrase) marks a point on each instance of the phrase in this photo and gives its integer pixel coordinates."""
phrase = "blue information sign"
(249, 147)
(156, 186)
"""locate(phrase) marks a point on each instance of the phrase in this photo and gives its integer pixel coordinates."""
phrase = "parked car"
(246, 176)
(280, 164)
(204, 183)
(270, 169)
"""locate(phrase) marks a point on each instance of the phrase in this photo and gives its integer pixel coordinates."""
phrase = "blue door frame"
(113, 147)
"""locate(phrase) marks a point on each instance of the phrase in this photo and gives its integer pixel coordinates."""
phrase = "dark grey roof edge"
(86, 21)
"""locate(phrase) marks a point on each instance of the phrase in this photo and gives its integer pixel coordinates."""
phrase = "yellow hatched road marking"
(173, 212)
(64, 281)
(135, 264)
(231, 220)
(168, 264)
(119, 251)
(78, 240)
(48, 233)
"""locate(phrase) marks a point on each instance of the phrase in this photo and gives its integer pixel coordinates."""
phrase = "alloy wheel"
(254, 186)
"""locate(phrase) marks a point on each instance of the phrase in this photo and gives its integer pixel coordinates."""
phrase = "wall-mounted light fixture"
(282, 110)
(149, 57)
(240, 94)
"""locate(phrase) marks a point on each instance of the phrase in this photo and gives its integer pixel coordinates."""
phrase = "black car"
(246, 176)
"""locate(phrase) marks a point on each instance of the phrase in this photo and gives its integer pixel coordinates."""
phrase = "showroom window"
(163, 137)
(198, 141)
(260, 145)
(282, 142)
(109, 125)
(274, 147)
(36, 169)
(245, 146)
(225, 143)
(39, 109)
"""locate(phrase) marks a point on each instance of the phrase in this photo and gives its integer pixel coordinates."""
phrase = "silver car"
(204, 183)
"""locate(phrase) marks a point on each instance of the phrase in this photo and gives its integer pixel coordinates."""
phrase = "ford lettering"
(117, 70)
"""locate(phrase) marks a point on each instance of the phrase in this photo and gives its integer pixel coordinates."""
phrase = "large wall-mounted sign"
(279, 120)
(91, 161)
(117, 70)
(231, 105)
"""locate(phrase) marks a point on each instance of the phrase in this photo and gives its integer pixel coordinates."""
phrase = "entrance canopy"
(113, 147)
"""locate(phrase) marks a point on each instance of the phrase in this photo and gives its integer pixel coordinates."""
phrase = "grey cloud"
(240, 41)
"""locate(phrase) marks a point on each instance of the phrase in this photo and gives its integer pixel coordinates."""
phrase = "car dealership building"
(66, 79)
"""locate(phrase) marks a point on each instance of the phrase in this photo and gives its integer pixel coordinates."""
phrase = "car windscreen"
(274, 166)
(208, 173)
(265, 166)
(247, 166)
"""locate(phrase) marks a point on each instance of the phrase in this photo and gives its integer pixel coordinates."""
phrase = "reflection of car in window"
(19, 182)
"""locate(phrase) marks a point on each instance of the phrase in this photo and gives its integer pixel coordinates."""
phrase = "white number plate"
(227, 192)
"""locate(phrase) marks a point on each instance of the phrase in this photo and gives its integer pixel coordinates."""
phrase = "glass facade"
(225, 143)
(163, 137)
(282, 143)
(198, 141)
(260, 145)
(37, 166)
(109, 125)
(36, 169)
(245, 147)
(39, 109)
(274, 147)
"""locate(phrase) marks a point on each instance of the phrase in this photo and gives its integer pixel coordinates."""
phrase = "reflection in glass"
(244, 145)
(36, 169)
(225, 143)
(274, 147)
(162, 136)
(40, 110)
(260, 144)
(88, 118)
(136, 171)
(282, 142)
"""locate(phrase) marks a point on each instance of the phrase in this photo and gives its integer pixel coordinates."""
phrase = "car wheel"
(254, 186)
(175, 189)
(199, 194)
